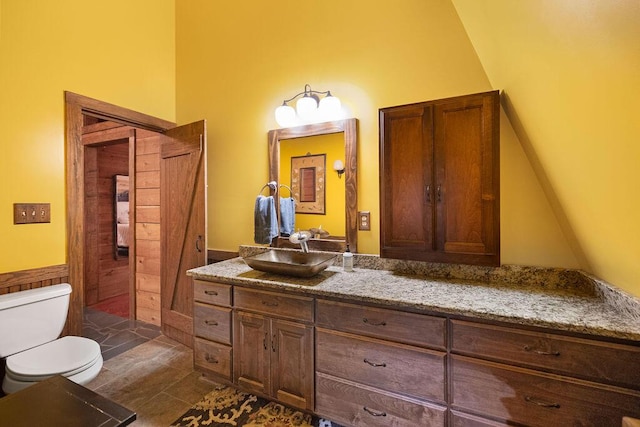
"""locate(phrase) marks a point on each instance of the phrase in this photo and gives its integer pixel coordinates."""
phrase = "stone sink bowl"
(291, 263)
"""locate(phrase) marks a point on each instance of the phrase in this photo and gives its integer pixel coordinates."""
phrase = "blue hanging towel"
(265, 220)
(287, 216)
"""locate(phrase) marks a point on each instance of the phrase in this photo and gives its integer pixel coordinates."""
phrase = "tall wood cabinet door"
(467, 189)
(182, 225)
(406, 180)
(292, 363)
(251, 352)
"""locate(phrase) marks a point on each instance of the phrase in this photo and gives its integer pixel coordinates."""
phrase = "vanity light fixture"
(309, 108)
(338, 166)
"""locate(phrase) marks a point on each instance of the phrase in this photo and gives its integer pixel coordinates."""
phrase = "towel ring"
(271, 184)
(288, 188)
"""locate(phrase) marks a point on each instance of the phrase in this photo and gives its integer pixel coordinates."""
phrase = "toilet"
(30, 323)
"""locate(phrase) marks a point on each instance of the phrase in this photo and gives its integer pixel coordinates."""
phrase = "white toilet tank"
(32, 317)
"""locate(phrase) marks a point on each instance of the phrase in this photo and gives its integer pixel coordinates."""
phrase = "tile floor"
(144, 371)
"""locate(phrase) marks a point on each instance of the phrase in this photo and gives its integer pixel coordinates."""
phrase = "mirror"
(121, 215)
(287, 138)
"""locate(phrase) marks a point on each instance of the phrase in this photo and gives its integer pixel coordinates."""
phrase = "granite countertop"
(561, 299)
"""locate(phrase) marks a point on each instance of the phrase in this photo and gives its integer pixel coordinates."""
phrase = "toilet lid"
(65, 356)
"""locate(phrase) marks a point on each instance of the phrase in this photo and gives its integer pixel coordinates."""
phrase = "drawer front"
(589, 359)
(408, 370)
(410, 328)
(524, 396)
(276, 304)
(212, 357)
(460, 419)
(212, 293)
(351, 404)
(212, 323)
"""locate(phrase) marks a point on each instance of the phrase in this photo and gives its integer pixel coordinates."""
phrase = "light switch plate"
(364, 220)
(31, 213)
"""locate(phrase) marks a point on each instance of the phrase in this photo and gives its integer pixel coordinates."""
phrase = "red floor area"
(118, 305)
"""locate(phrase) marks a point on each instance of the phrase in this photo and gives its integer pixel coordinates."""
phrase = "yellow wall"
(122, 52)
(235, 65)
(332, 145)
(571, 73)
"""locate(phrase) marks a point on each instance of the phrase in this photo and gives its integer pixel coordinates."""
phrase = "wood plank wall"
(22, 280)
(148, 226)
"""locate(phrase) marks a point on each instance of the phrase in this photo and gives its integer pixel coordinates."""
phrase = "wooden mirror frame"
(349, 128)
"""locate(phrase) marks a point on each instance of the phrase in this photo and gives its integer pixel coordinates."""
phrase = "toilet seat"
(77, 358)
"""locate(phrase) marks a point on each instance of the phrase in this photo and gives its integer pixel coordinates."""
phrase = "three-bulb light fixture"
(309, 108)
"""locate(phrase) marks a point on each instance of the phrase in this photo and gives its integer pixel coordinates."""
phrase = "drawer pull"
(375, 365)
(369, 322)
(540, 352)
(209, 358)
(541, 403)
(273, 343)
(210, 292)
(374, 413)
(211, 323)
(270, 304)
(264, 340)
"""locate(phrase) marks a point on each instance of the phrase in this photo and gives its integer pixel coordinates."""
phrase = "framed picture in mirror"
(308, 183)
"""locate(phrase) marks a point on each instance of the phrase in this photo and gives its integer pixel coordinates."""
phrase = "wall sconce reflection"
(338, 166)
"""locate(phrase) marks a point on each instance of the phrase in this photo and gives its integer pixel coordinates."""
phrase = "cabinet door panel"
(250, 355)
(526, 397)
(408, 370)
(406, 179)
(292, 363)
(466, 161)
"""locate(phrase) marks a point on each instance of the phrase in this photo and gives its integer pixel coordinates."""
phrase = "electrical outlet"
(364, 220)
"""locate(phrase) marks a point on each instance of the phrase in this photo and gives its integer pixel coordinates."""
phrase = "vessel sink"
(291, 263)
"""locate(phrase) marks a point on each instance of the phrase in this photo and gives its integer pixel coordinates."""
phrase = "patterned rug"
(226, 406)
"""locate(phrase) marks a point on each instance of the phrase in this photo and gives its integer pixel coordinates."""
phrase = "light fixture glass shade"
(285, 116)
(330, 108)
(338, 165)
(307, 108)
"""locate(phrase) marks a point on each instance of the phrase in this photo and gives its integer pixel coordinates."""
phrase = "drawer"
(400, 368)
(460, 419)
(276, 304)
(409, 328)
(212, 357)
(589, 359)
(212, 293)
(352, 404)
(532, 398)
(212, 323)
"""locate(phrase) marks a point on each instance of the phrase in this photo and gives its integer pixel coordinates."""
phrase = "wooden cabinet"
(504, 374)
(368, 376)
(273, 356)
(439, 180)
(212, 351)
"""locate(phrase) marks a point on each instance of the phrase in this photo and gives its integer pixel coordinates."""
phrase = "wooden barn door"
(183, 224)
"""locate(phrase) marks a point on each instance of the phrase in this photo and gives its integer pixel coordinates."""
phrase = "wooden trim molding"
(75, 107)
(22, 280)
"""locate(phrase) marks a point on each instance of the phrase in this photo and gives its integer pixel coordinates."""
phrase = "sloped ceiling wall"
(570, 72)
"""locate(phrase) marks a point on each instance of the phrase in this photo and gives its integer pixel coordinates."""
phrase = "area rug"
(226, 406)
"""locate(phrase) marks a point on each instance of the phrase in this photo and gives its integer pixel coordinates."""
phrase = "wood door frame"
(75, 107)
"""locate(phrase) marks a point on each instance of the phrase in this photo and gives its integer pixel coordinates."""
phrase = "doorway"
(179, 240)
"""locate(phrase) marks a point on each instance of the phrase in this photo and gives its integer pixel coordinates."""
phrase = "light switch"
(31, 213)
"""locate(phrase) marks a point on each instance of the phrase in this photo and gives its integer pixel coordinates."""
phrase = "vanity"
(409, 343)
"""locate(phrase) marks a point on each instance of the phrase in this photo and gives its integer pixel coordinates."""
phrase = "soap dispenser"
(347, 260)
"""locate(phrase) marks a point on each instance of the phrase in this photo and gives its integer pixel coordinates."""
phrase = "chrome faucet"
(301, 237)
